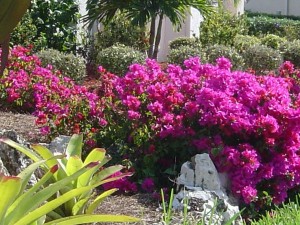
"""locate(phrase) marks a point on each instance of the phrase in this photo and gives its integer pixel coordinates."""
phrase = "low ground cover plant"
(248, 124)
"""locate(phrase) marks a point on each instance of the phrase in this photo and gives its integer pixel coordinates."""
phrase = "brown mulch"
(23, 124)
(139, 205)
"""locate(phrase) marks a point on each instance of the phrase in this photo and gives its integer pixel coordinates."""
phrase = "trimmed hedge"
(262, 25)
(70, 65)
(177, 56)
(262, 58)
(216, 51)
(243, 42)
(291, 52)
(117, 58)
(273, 41)
(184, 41)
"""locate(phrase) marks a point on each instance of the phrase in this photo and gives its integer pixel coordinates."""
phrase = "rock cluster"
(205, 192)
(12, 162)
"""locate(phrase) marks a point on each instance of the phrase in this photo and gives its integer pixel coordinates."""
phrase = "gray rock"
(187, 176)
(59, 144)
(208, 194)
(14, 161)
(206, 173)
(3, 169)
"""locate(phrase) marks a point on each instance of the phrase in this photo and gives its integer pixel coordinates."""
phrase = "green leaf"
(75, 146)
(27, 195)
(235, 216)
(26, 174)
(81, 219)
(85, 178)
(43, 195)
(45, 153)
(79, 206)
(99, 199)
(103, 174)
(51, 205)
(74, 164)
(95, 155)
(10, 187)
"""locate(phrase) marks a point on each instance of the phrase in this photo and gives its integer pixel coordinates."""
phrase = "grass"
(286, 214)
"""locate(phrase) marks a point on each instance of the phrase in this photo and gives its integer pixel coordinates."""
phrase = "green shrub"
(276, 16)
(262, 58)
(116, 59)
(120, 30)
(69, 65)
(57, 20)
(25, 34)
(272, 41)
(291, 52)
(184, 41)
(221, 28)
(177, 56)
(243, 42)
(216, 51)
(262, 25)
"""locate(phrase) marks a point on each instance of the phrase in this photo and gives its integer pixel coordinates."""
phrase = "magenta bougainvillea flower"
(250, 125)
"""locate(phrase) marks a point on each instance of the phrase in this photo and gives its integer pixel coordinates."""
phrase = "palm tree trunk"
(4, 55)
(152, 36)
(158, 36)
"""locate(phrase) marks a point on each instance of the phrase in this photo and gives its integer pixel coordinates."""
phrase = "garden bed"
(138, 205)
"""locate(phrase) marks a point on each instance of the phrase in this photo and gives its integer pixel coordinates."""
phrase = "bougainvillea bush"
(60, 105)
(249, 124)
(156, 119)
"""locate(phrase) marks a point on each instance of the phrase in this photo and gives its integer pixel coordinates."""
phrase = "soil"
(138, 205)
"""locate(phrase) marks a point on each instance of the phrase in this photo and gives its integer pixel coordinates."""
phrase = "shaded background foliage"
(49, 24)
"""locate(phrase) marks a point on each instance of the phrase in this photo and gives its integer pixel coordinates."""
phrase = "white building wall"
(237, 9)
(80, 28)
(293, 7)
(189, 28)
(283, 7)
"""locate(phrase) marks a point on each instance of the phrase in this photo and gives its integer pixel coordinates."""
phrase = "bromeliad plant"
(35, 206)
(70, 193)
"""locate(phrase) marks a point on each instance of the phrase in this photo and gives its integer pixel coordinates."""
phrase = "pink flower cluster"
(123, 184)
(249, 124)
(59, 104)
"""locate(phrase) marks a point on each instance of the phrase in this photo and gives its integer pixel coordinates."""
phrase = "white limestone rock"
(206, 173)
(13, 161)
(187, 175)
(59, 144)
(205, 190)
